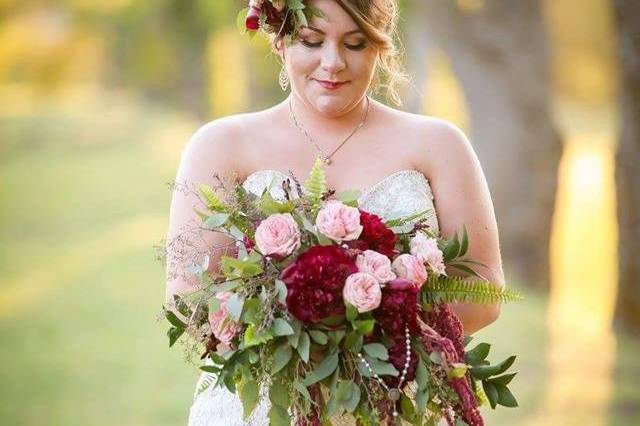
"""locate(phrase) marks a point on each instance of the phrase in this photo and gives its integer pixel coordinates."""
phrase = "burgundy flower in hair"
(275, 14)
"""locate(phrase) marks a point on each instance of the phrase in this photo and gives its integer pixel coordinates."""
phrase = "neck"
(322, 127)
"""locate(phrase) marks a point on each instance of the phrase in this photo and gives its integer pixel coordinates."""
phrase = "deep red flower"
(398, 308)
(397, 357)
(315, 281)
(375, 235)
(274, 19)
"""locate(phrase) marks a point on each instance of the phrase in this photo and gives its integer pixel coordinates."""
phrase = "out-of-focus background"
(98, 98)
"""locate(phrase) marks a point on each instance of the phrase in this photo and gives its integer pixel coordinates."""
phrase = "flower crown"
(282, 17)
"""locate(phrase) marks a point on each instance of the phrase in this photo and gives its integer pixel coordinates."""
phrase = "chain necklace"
(327, 158)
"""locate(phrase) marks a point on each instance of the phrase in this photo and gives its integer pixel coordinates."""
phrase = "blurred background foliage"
(98, 98)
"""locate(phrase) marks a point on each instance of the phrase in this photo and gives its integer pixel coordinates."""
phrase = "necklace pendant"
(394, 394)
(326, 160)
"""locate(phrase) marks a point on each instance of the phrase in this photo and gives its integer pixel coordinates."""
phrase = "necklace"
(326, 158)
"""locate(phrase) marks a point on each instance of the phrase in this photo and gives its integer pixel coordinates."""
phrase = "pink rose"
(410, 268)
(278, 235)
(339, 221)
(376, 264)
(426, 249)
(222, 326)
(363, 291)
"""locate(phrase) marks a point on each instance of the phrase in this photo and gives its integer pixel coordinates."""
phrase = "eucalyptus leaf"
(352, 403)
(249, 397)
(234, 306)
(422, 375)
(377, 350)
(505, 397)
(281, 327)
(215, 221)
(319, 337)
(281, 358)
(303, 346)
(323, 370)
(278, 416)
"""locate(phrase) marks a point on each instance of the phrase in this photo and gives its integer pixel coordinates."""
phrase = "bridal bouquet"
(326, 310)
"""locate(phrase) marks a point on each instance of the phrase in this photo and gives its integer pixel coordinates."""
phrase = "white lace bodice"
(402, 193)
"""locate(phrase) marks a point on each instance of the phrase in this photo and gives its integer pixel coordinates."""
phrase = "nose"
(333, 59)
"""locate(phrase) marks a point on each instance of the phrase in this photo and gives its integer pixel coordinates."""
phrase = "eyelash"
(360, 46)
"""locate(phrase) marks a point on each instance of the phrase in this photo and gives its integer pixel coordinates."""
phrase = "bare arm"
(462, 197)
(212, 149)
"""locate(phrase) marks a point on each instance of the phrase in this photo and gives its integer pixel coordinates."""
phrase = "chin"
(332, 105)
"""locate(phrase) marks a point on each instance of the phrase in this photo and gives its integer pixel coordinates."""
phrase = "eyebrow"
(323, 33)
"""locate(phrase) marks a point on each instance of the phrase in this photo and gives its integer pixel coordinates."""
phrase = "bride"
(400, 162)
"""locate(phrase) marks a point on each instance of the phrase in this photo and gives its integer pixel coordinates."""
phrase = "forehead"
(335, 19)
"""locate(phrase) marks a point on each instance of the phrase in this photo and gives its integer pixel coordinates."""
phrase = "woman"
(401, 162)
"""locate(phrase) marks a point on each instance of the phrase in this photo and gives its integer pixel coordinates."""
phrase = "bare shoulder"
(219, 144)
(436, 144)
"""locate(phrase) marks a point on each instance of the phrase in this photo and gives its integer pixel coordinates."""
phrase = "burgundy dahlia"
(315, 281)
(398, 308)
(375, 235)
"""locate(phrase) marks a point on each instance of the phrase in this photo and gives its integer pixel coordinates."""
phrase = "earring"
(283, 79)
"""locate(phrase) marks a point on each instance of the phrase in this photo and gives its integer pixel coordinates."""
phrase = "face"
(330, 49)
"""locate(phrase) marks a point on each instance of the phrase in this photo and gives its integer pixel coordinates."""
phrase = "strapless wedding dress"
(402, 193)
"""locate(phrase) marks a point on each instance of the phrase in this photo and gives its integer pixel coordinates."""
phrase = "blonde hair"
(378, 21)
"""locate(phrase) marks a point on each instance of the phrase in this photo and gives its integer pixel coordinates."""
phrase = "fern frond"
(316, 184)
(212, 201)
(406, 219)
(444, 289)
(206, 382)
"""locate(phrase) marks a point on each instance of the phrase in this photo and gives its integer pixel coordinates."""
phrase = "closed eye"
(359, 46)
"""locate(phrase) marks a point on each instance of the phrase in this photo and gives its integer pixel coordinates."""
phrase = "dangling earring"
(283, 79)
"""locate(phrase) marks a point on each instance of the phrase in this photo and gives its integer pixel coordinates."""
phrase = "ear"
(278, 47)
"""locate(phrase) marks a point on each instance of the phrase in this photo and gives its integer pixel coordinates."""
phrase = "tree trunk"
(499, 56)
(627, 171)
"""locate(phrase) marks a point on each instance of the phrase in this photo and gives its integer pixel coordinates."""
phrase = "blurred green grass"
(83, 200)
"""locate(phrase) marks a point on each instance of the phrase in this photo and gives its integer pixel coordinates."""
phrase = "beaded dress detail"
(399, 194)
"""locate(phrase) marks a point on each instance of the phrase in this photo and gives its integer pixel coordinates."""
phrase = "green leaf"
(303, 346)
(214, 305)
(316, 184)
(215, 221)
(281, 358)
(344, 390)
(491, 392)
(505, 397)
(294, 339)
(353, 341)
(249, 397)
(319, 337)
(422, 398)
(323, 370)
(477, 354)
(302, 390)
(503, 380)
(352, 312)
(252, 311)
(407, 409)
(236, 268)
(253, 337)
(348, 197)
(234, 306)
(281, 289)
(174, 334)
(465, 241)
(333, 321)
(210, 369)
(364, 327)
(279, 394)
(174, 320)
(211, 199)
(422, 376)
(281, 327)
(278, 416)
(377, 350)
(449, 289)
(382, 368)
(352, 403)
(485, 371)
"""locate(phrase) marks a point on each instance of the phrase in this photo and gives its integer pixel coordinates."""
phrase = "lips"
(331, 85)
